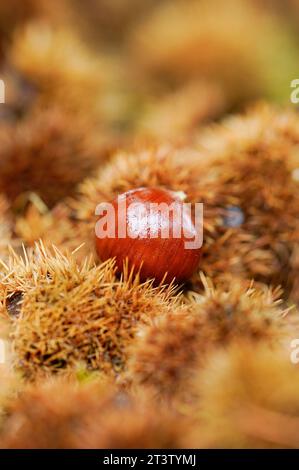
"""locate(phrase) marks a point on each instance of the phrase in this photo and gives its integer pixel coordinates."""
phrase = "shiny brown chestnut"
(150, 228)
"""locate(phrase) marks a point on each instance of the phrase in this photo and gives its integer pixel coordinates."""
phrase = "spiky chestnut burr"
(38, 152)
(60, 413)
(150, 228)
(168, 352)
(248, 399)
(63, 314)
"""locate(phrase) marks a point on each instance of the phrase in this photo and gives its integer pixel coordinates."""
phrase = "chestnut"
(151, 228)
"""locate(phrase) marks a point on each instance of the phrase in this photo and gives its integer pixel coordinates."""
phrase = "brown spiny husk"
(43, 55)
(254, 159)
(47, 153)
(6, 227)
(70, 314)
(106, 96)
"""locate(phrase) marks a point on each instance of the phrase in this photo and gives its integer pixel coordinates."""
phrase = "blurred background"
(84, 78)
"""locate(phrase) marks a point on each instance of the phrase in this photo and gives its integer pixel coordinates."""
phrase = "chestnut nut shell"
(144, 245)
